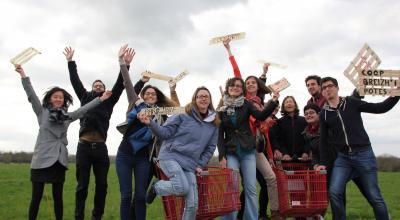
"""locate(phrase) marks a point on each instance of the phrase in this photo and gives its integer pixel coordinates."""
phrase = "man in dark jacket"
(92, 149)
(342, 128)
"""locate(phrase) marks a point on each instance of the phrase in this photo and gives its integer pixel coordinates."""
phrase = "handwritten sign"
(279, 85)
(379, 82)
(163, 111)
(237, 36)
(272, 64)
(365, 59)
(178, 77)
(24, 56)
(156, 76)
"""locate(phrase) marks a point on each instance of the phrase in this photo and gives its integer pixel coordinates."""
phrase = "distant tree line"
(387, 163)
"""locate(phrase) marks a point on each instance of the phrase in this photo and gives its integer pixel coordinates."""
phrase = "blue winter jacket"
(141, 135)
(188, 140)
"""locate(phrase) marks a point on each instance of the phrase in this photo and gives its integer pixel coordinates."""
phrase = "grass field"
(15, 191)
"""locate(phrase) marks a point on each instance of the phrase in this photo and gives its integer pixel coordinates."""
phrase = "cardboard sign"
(24, 56)
(178, 77)
(272, 64)
(379, 82)
(156, 76)
(237, 36)
(163, 111)
(365, 59)
(279, 85)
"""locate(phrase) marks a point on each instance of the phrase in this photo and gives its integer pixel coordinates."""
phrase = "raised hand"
(172, 85)
(69, 53)
(20, 70)
(129, 54)
(145, 79)
(226, 43)
(107, 94)
(122, 51)
(265, 69)
(275, 96)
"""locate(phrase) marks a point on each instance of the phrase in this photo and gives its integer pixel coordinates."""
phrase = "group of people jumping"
(331, 136)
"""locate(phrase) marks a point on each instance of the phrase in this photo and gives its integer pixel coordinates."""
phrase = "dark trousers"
(37, 193)
(262, 199)
(88, 155)
(139, 165)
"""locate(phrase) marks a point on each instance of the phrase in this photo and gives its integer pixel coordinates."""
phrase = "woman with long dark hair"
(50, 156)
(133, 154)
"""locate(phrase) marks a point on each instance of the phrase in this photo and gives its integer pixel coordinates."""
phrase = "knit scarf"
(230, 103)
(58, 115)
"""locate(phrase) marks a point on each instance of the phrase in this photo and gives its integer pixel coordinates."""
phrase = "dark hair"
(314, 77)
(262, 89)
(68, 100)
(192, 104)
(296, 109)
(98, 80)
(231, 82)
(313, 106)
(162, 100)
(328, 78)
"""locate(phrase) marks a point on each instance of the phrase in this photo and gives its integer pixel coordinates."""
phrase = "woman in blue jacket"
(190, 140)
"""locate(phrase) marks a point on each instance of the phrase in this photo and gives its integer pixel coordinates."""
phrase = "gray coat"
(51, 143)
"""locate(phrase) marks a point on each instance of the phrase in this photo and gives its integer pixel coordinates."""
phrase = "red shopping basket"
(218, 190)
(302, 192)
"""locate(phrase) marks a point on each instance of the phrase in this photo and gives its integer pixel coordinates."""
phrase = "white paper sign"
(279, 85)
(272, 64)
(163, 111)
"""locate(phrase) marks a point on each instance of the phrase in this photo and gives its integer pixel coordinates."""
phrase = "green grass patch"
(15, 191)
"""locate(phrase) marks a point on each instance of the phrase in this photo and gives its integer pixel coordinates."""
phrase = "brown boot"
(275, 215)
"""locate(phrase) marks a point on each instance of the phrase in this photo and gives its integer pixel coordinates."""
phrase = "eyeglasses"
(309, 113)
(236, 85)
(150, 94)
(202, 97)
(98, 86)
(328, 86)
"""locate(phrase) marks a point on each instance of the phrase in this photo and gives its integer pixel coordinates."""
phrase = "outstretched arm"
(73, 73)
(130, 91)
(95, 102)
(30, 92)
(236, 70)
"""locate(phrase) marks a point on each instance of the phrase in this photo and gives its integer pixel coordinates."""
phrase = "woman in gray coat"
(50, 156)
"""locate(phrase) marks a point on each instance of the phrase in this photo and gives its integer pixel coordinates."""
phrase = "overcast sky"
(311, 37)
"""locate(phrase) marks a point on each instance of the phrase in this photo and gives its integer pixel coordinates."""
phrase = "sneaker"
(151, 193)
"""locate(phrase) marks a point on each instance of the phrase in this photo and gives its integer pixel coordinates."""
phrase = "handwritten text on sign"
(378, 82)
(237, 36)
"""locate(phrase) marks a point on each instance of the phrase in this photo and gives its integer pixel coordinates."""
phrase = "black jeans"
(37, 193)
(91, 154)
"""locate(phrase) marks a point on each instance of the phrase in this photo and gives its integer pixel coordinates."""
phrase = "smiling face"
(313, 87)
(311, 116)
(57, 99)
(203, 100)
(289, 106)
(251, 86)
(235, 89)
(150, 96)
(98, 86)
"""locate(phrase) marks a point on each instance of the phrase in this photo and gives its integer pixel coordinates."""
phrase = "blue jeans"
(247, 165)
(140, 166)
(180, 183)
(364, 163)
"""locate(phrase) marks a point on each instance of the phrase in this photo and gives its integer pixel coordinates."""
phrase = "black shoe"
(151, 193)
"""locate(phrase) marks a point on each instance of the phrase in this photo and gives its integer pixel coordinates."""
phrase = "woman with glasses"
(133, 154)
(190, 140)
(255, 93)
(236, 143)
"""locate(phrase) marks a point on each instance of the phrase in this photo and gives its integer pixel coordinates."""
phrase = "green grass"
(15, 191)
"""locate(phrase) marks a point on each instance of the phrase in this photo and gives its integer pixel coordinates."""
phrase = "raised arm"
(263, 76)
(140, 84)
(236, 70)
(95, 102)
(30, 92)
(130, 91)
(73, 73)
(173, 94)
(377, 108)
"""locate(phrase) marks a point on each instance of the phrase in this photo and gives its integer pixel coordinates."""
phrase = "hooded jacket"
(343, 128)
